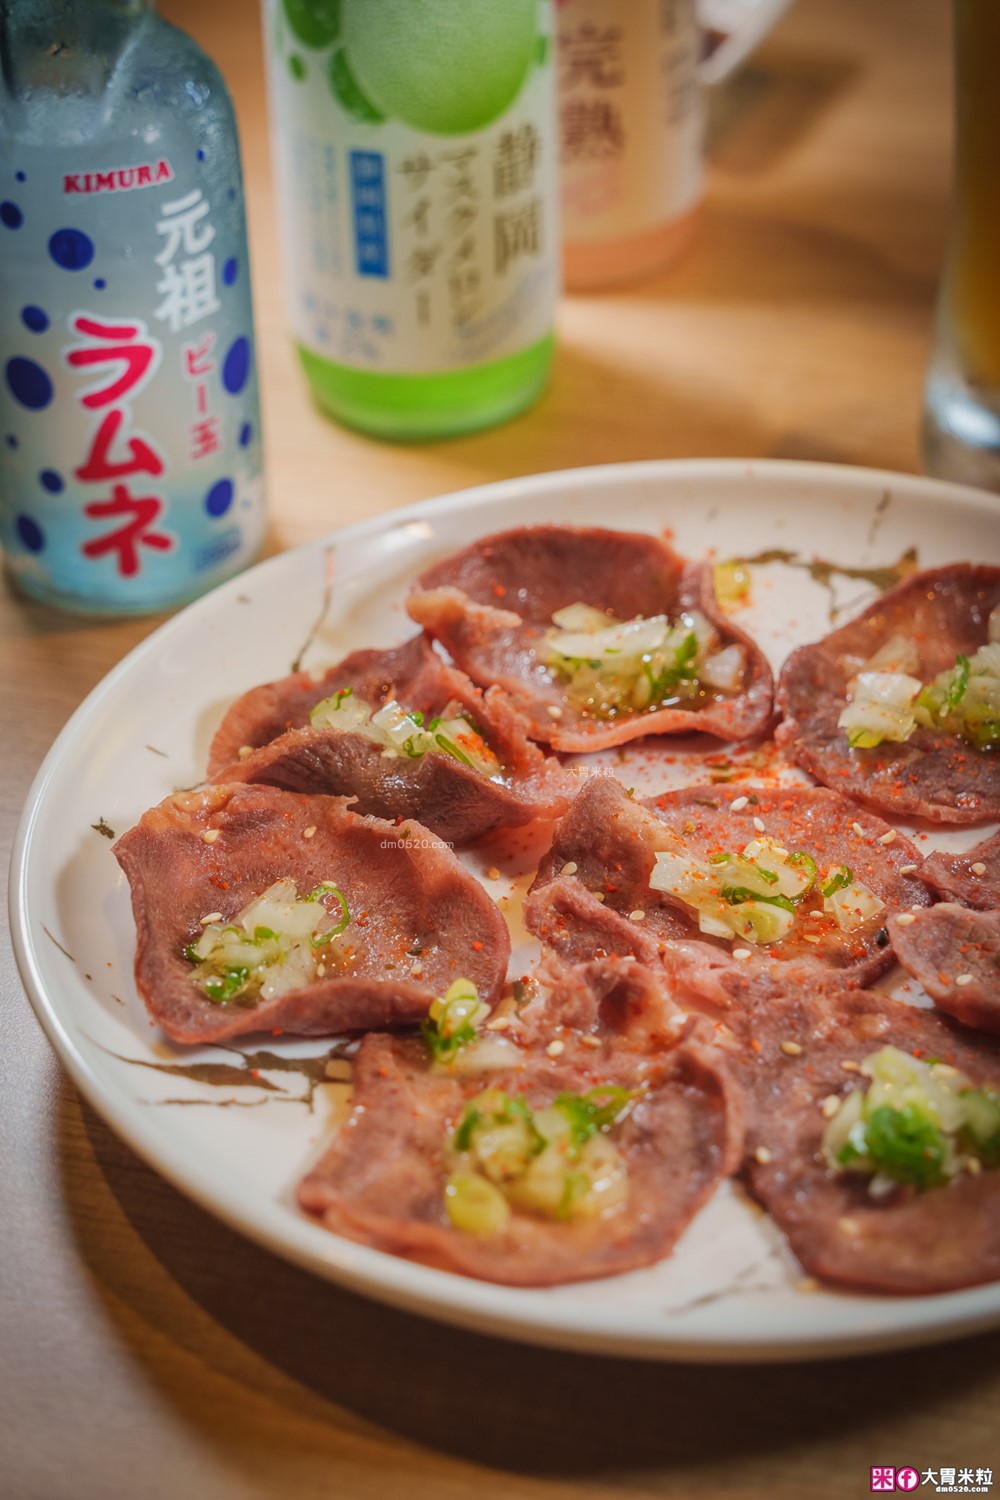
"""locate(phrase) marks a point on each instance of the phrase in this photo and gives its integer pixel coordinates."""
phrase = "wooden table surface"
(145, 1350)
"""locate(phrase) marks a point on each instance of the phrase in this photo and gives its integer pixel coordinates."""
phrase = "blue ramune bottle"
(130, 448)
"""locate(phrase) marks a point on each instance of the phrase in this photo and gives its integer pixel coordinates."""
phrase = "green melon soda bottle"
(415, 155)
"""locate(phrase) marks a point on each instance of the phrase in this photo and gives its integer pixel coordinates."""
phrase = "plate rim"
(421, 1290)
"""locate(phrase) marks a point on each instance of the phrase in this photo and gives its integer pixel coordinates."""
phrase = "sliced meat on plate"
(614, 1001)
(598, 636)
(256, 909)
(536, 1169)
(873, 1138)
(734, 892)
(401, 731)
(954, 953)
(972, 878)
(901, 707)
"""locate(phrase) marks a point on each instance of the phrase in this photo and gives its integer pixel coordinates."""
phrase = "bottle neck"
(65, 46)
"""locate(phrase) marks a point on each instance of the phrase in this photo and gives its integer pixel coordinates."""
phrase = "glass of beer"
(961, 433)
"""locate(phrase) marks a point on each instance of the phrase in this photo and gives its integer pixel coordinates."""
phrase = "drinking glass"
(961, 430)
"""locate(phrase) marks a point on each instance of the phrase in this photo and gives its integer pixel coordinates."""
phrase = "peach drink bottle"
(631, 77)
(631, 126)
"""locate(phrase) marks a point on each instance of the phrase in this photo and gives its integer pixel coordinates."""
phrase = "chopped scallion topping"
(920, 1123)
(598, 1109)
(453, 1020)
(839, 880)
(556, 1161)
(612, 666)
(889, 705)
(270, 947)
(737, 894)
(757, 895)
(402, 732)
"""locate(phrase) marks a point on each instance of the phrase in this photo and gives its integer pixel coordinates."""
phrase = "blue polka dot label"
(128, 384)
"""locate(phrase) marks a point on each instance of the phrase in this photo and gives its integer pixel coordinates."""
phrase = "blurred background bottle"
(130, 457)
(630, 118)
(415, 158)
(961, 433)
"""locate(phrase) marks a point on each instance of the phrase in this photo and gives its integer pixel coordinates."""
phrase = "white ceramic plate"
(730, 1291)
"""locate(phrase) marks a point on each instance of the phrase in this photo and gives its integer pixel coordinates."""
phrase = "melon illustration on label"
(447, 67)
(315, 23)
